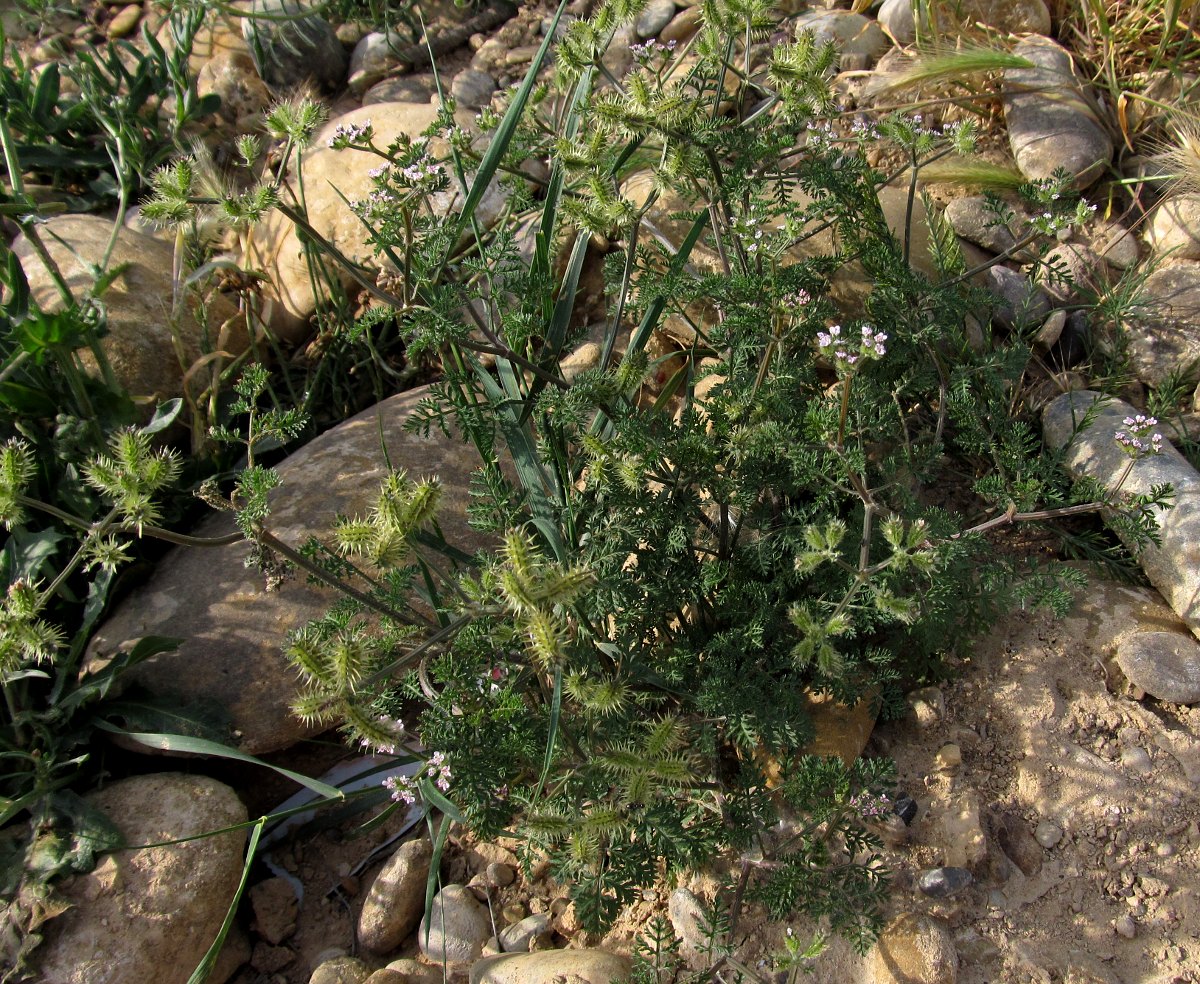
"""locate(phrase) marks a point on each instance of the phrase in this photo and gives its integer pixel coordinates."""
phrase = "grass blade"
(205, 967)
(505, 131)
(202, 746)
(552, 736)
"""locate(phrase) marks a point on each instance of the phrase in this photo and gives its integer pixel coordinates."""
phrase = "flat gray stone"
(1174, 566)
(517, 937)
(473, 88)
(233, 628)
(1022, 304)
(1051, 123)
(1164, 664)
(975, 222)
(373, 59)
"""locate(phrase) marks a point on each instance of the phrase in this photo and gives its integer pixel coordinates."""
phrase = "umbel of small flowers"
(846, 352)
(1139, 438)
(404, 789)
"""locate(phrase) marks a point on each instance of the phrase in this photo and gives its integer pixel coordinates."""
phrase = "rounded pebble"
(1048, 834)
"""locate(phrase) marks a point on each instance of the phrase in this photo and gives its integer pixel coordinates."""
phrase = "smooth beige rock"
(150, 914)
(456, 927)
(396, 899)
(139, 345)
(550, 966)
(1176, 227)
(332, 178)
(232, 627)
(913, 949)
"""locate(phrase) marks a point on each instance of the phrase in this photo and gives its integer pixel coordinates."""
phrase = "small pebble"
(949, 758)
(1048, 834)
(500, 874)
(1165, 849)
(1125, 926)
(125, 21)
(940, 883)
(1136, 759)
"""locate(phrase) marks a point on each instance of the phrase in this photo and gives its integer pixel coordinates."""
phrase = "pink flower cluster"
(1139, 438)
(346, 134)
(869, 805)
(650, 48)
(404, 788)
(845, 352)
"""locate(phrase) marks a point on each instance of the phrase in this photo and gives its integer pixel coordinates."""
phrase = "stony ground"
(1072, 803)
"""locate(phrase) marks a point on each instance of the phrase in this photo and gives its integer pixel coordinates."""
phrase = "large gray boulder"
(150, 913)
(233, 627)
(141, 344)
(1174, 566)
(1051, 123)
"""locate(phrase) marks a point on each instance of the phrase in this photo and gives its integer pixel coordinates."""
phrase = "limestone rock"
(125, 21)
(331, 178)
(473, 88)
(656, 15)
(962, 838)
(341, 970)
(517, 937)
(396, 899)
(913, 949)
(1165, 333)
(1011, 16)
(550, 966)
(1176, 227)
(296, 46)
(1164, 664)
(372, 60)
(231, 76)
(850, 33)
(458, 927)
(231, 626)
(139, 344)
(1051, 123)
(150, 914)
(684, 24)
(275, 906)
(691, 927)
(1174, 566)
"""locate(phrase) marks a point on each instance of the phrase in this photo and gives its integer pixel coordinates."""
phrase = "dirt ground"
(1056, 750)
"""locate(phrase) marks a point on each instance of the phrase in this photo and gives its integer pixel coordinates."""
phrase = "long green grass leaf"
(205, 967)
(202, 746)
(552, 733)
(505, 131)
